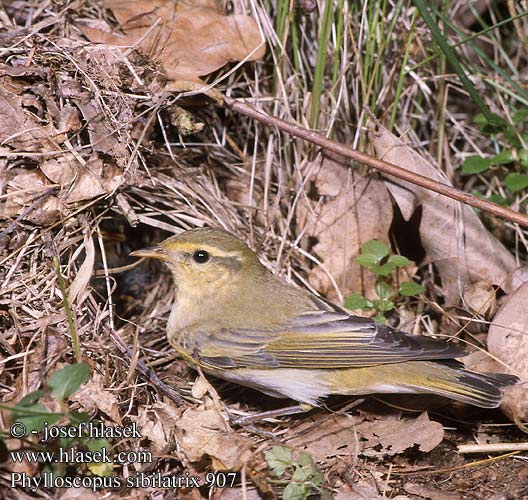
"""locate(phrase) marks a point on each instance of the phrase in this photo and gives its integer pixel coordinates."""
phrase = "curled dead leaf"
(20, 130)
(23, 189)
(387, 438)
(339, 436)
(203, 433)
(453, 236)
(157, 423)
(92, 397)
(350, 210)
(82, 182)
(481, 298)
(508, 341)
(190, 39)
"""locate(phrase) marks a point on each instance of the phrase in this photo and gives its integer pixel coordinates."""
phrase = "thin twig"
(492, 447)
(147, 372)
(381, 165)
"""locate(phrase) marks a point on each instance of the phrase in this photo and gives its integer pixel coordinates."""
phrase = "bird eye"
(201, 256)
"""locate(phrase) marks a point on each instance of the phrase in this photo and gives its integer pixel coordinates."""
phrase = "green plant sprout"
(512, 161)
(32, 417)
(375, 257)
(301, 475)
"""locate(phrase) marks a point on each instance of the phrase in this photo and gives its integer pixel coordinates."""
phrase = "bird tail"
(444, 378)
(451, 380)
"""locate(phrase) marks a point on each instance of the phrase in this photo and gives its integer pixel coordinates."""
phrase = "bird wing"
(323, 339)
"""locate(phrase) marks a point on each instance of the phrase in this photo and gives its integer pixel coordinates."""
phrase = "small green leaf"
(520, 116)
(496, 124)
(523, 158)
(382, 289)
(376, 248)
(497, 198)
(379, 318)
(356, 301)
(31, 398)
(410, 288)
(76, 417)
(386, 305)
(399, 260)
(366, 260)
(302, 474)
(305, 459)
(386, 269)
(97, 444)
(34, 416)
(279, 458)
(65, 382)
(295, 491)
(101, 469)
(475, 165)
(503, 158)
(516, 182)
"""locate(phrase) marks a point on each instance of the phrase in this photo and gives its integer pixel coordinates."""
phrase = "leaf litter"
(91, 120)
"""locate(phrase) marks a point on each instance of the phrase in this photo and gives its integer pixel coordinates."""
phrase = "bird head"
(205, 261)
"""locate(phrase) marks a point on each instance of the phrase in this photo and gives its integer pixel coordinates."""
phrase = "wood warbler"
(241, 323)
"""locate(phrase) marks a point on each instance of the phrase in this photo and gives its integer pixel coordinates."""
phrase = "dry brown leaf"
(22, 188)
(516, 279)
(19, 130)
(453, 236)
(325, 437)
(157, 423)
(352, 210)
(365, 488)
(427, 492)
(191, 39)
(202, 432)
(92, 397)
(78, 494)
(481, 298)
(236, 494)
(79, 286)
(82, 182)
(508, 341)
(390, 437)
(339, 436)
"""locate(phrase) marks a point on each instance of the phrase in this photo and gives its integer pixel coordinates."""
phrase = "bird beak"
(151, 253)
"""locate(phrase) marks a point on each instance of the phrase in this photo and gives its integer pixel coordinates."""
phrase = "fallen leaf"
(82, 182)
(481, 298)
(20, 130)
(454, 238)
(93, 397)
(428, 492)
(387, 438)
(350, 210)
(23, 187)
(508, 341)
(328, 436)
(339, 436)
(157, 423)
(78, 290)
(364, 489)
(78, 494)
(203, 433)
(236, 494)
(190, 39)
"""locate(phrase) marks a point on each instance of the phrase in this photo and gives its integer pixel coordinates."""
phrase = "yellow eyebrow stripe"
(186, 246)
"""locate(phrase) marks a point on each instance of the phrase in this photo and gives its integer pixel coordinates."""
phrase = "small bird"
(239, 322)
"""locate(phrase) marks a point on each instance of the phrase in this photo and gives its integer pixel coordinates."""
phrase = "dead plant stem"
(381, 165)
